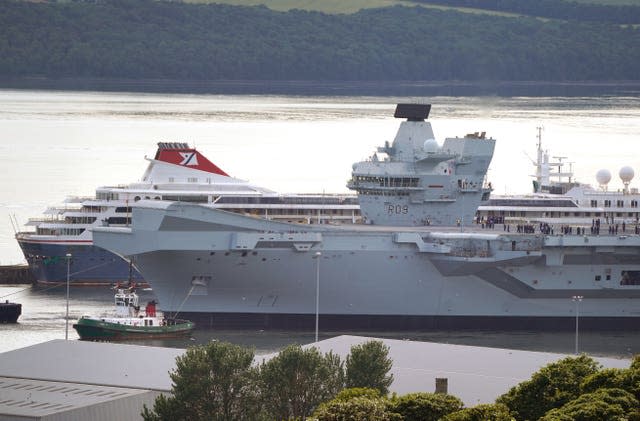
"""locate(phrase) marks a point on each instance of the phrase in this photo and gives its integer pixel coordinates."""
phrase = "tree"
(425, 406)
(356, 408)
(368, 365)
(601, 405)
(357, 392)
(483, 412)
(604, 379)
(295, 381)
(550, 387)
(211, 382)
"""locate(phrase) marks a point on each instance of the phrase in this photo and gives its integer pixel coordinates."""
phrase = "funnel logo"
(188, 158)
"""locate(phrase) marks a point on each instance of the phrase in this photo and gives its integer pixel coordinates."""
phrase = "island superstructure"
(419, 182)
(224, 269)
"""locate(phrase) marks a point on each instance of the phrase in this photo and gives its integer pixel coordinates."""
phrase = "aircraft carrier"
(420, 261)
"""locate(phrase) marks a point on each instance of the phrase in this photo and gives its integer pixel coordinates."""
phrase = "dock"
(16, 274)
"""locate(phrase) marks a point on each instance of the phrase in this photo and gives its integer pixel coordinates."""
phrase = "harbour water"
(59, 144)
(44, 310)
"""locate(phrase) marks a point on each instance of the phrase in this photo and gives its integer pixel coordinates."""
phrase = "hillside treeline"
(142, 39)
(553, 9)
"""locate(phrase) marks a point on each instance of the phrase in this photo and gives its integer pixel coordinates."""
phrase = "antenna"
(540, 129)
(541, 157)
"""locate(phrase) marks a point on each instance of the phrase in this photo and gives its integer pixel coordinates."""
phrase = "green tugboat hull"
(98, 330)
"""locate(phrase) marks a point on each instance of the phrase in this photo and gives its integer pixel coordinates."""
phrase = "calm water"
(43, 319)
(44, 310)
(59, 144)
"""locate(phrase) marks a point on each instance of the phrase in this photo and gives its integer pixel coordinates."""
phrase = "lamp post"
(66, 319)
(577, 299)
(317, 256)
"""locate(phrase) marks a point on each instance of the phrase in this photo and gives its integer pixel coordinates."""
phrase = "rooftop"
(59, 376)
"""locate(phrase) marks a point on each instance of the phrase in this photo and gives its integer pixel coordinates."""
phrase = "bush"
(550, 387)
(425, 406)
(602, 405)
(604, 379)
(484, 412)
(355, 409)
(358, 392)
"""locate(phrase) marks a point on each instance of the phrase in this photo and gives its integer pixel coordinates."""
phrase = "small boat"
(9, 312)
(129, 322)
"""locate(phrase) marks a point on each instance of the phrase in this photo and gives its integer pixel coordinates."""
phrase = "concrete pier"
(16, 274)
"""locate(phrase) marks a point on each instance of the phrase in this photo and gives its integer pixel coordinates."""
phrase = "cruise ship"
(177, 172)
(558, 200)
(224, 269)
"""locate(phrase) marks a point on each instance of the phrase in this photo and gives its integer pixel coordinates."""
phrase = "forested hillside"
(141, 39)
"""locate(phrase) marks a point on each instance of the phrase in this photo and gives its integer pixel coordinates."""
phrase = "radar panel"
(413, 112)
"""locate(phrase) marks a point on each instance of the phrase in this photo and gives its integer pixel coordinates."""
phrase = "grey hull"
(206, 262)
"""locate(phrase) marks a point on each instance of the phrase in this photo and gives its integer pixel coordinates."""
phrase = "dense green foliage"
(602, 405)
(143, 39)
(551, 387)
(218, 381)
(297, 380)
(357, 392)
(368, 365)
(356, 408)
(211, 382)
(424, 406)
(483, 412)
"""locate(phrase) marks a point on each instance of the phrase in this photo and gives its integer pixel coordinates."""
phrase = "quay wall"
(16, 274)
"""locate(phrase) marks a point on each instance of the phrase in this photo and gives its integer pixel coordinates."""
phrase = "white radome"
(431, 145)
(626, 174)
(603, 176)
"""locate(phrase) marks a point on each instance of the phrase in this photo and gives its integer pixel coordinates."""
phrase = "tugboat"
(9, 312)
(128, 322)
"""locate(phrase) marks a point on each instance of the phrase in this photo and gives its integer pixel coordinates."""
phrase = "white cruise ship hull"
(222, 269)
